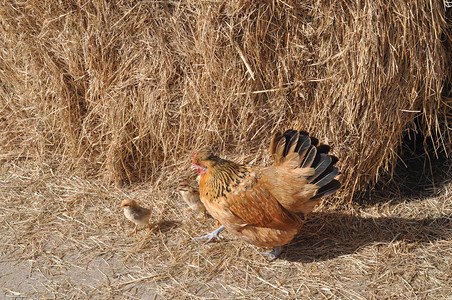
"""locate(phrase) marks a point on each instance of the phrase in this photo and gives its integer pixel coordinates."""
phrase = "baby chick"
(135, 213)
(191, 197)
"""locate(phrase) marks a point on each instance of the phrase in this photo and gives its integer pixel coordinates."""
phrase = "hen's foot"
(273, 254)
(211, 235)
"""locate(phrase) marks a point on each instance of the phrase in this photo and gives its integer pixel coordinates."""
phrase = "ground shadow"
(329, 235)
(421, 171)
(165, 225)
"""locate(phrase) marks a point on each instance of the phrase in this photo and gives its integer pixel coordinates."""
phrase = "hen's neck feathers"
(221, 175)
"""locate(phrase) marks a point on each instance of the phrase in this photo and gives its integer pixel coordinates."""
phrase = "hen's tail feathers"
(310, 155)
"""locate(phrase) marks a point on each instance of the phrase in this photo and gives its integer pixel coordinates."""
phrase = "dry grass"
(125, 90)
(100, 92)
(66, 237)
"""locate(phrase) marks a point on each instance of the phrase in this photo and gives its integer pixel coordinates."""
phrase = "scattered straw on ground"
(95, 92)
(66, 237)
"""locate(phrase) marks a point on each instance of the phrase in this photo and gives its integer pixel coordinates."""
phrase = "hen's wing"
(250, 202)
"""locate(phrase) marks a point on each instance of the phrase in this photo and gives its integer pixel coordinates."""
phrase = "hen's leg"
(214, 234)
(273, 254)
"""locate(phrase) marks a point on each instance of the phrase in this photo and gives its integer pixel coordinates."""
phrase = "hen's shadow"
(329, 235)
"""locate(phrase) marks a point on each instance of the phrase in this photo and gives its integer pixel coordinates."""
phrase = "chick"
(135, 213)
(191, 197)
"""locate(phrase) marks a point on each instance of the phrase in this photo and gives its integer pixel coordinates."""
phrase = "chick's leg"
(273, 254)
(212, 235)
(135, 230)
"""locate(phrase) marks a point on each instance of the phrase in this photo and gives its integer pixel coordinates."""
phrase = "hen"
(135, 213)
(267, 206)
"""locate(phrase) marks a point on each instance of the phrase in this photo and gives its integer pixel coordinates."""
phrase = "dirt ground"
(66, 237)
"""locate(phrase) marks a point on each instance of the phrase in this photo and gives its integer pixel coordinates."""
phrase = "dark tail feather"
(329, 174)
(328, 189)
(323, 148)
(303, 144)
(281, 144)
(277, 148)
(320, 164)
(311, 155)
(291, 141)
(334, 159)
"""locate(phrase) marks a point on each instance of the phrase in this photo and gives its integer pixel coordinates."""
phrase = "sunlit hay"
(126, 91)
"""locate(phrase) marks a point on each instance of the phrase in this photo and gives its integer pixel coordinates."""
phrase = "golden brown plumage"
(267, 206)
(135, 213)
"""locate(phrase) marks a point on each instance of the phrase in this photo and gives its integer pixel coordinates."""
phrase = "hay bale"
(129, 89)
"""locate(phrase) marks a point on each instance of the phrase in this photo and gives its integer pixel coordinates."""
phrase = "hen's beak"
(199, 169)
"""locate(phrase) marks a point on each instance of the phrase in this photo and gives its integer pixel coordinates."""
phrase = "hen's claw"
(273, 254)
(211, 235)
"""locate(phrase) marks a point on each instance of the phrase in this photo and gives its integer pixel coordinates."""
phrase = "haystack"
(127, 90)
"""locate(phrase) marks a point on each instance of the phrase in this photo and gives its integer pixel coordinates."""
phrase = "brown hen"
(267, 206)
